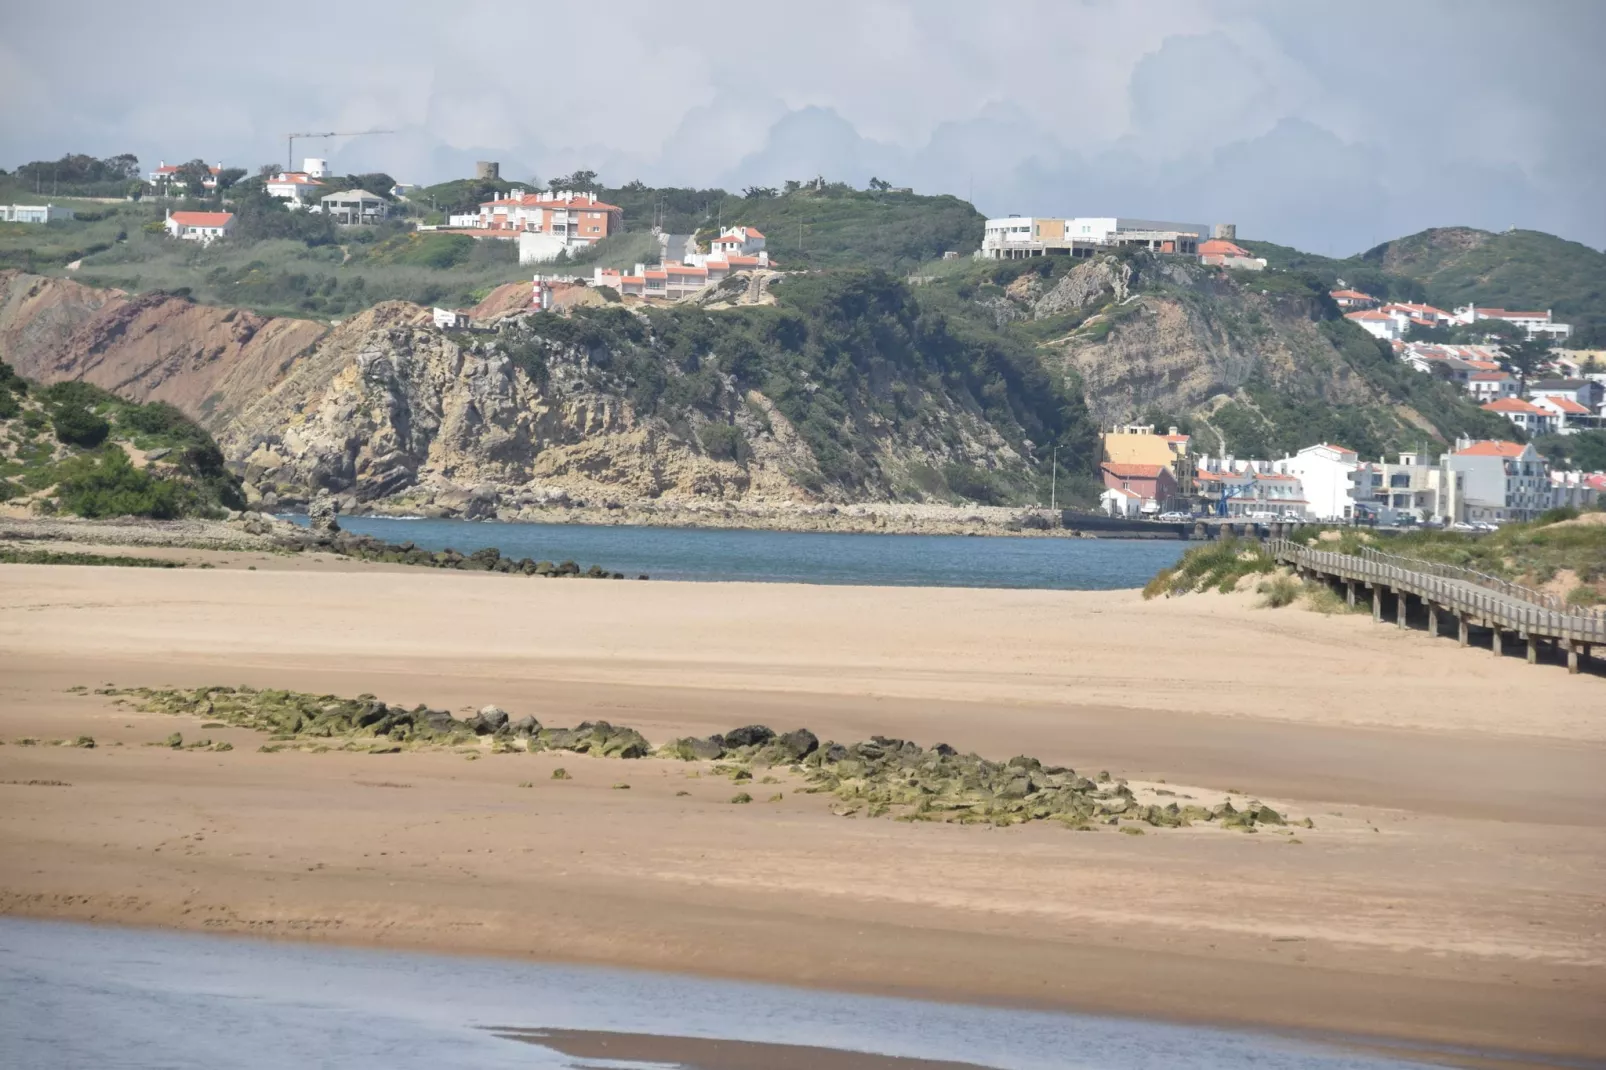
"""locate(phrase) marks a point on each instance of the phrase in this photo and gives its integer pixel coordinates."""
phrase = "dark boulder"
(526, 726)
(488, 721)
(753, 735)
(798, 745)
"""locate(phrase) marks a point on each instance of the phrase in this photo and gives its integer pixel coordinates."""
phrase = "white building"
(1537, 324)
(1524, 414)
(297, 187)
(1127, 504)
(1412, 488)
(1491, 386)
(1571, 417)
(1501, 480)
(1377, 324)
(204, 227)
(1590, 393)
(735, 241)
(166, 173)
(450, 319)
(1327, 476)
(33, 213)
(356, 206)
(1013, 237)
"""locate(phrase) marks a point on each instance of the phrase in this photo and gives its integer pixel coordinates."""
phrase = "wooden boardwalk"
(1446, 593)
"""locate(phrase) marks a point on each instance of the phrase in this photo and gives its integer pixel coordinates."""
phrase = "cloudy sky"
(1327, 126)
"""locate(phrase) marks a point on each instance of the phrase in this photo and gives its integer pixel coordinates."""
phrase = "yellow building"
(1138, 444)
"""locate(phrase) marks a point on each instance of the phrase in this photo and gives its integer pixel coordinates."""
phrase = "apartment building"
(1414, 487)
(1016, 237)
(1501, 481)
(1327, 475)
(1536, 324)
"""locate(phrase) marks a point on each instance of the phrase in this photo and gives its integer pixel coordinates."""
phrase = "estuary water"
(79, 996)
(800, 557)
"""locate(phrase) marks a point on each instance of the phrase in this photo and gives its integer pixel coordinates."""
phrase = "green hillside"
(75, 449)
(1450, 266)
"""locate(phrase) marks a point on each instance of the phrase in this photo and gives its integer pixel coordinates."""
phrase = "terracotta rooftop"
(1133, 471)
(1490, 448)
(1514, 405)
(202, 219)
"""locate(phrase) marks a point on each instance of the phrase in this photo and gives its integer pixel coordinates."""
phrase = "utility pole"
(1054, 481)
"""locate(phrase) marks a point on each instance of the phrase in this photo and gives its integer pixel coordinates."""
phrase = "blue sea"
(80, 996)
(801, 557)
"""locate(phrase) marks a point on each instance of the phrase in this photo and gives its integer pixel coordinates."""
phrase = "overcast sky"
(1327, 126)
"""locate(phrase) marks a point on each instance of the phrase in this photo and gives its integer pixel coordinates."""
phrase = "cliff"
(1255, 364)
(848, 396)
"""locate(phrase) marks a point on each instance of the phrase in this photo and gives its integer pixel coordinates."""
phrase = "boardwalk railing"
(1480, 579)
(1473, 597)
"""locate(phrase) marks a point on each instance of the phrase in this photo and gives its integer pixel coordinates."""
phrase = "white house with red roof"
(1327, 477)
(737, 241)
(204, 227)
(1536, 324)
(1352, 300)
(297, 187)
(1219, 252)
(1491, 386)
(1524, 414)
(1501, 481)
(1377, 324)
(166, 173)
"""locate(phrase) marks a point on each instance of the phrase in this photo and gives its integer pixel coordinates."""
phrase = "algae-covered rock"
(753, 735)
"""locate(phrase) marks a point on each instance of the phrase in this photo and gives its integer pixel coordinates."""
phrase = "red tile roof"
(1133, 471)
(1351, 295)
(1368, 316)
(1490, 448)
(1568, 406)
(1490, 377)
(202, 219)
(1218, 247)
(1514, 405)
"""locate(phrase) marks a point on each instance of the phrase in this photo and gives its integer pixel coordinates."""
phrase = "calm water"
(76, 996)
(801, 557)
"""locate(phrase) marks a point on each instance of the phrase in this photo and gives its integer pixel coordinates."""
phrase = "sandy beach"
(1451, 891)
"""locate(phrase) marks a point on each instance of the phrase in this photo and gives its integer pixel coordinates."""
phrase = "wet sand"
(1451, 891)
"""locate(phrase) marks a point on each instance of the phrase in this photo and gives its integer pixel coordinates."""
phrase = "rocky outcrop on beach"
(878, 777)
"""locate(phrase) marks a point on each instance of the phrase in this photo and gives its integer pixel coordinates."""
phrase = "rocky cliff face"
(1149, 336)
(389, 412)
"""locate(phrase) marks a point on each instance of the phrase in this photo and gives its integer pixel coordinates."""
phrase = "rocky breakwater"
(878, 777)
(323, 532)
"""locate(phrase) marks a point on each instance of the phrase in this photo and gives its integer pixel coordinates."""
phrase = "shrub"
(1554, 516)
(106, 484)
(1278, 591)
(723, 441)
(77, 426)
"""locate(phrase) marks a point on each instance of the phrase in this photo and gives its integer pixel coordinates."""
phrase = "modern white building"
(1590, 393)
(1013, 237)
(203, 227)
(33, 213)
(1537, 324)
(1327, 476)
(354, 207)
(1501, 480)
(1413, 488)
(1491, 386)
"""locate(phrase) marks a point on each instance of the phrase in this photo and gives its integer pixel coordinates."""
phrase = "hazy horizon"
(1329, 134)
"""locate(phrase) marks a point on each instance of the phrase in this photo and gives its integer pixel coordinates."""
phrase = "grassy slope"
(64, 448)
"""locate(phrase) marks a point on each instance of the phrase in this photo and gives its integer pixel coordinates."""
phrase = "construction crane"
(290, 142)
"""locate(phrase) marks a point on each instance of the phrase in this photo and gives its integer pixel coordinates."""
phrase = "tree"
(879, 185)
(229, 176)
(77, 426)
(193, 177)
(761, 192)
(583, 181)
(1526, 357)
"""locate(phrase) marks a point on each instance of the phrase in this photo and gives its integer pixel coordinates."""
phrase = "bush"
(105, 484)
(78, 426)
(1278, 591)
(1555, 516)
(723, 441)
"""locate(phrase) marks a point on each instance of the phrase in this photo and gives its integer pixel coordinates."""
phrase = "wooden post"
(1462, 637)
(1498, 642)
(1433, 621)
(1402, 601)
(1533, 649)
(1377, 603)
(1572, 656)
(1349, 592)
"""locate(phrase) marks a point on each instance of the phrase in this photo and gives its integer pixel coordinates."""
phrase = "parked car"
(1173, 518)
